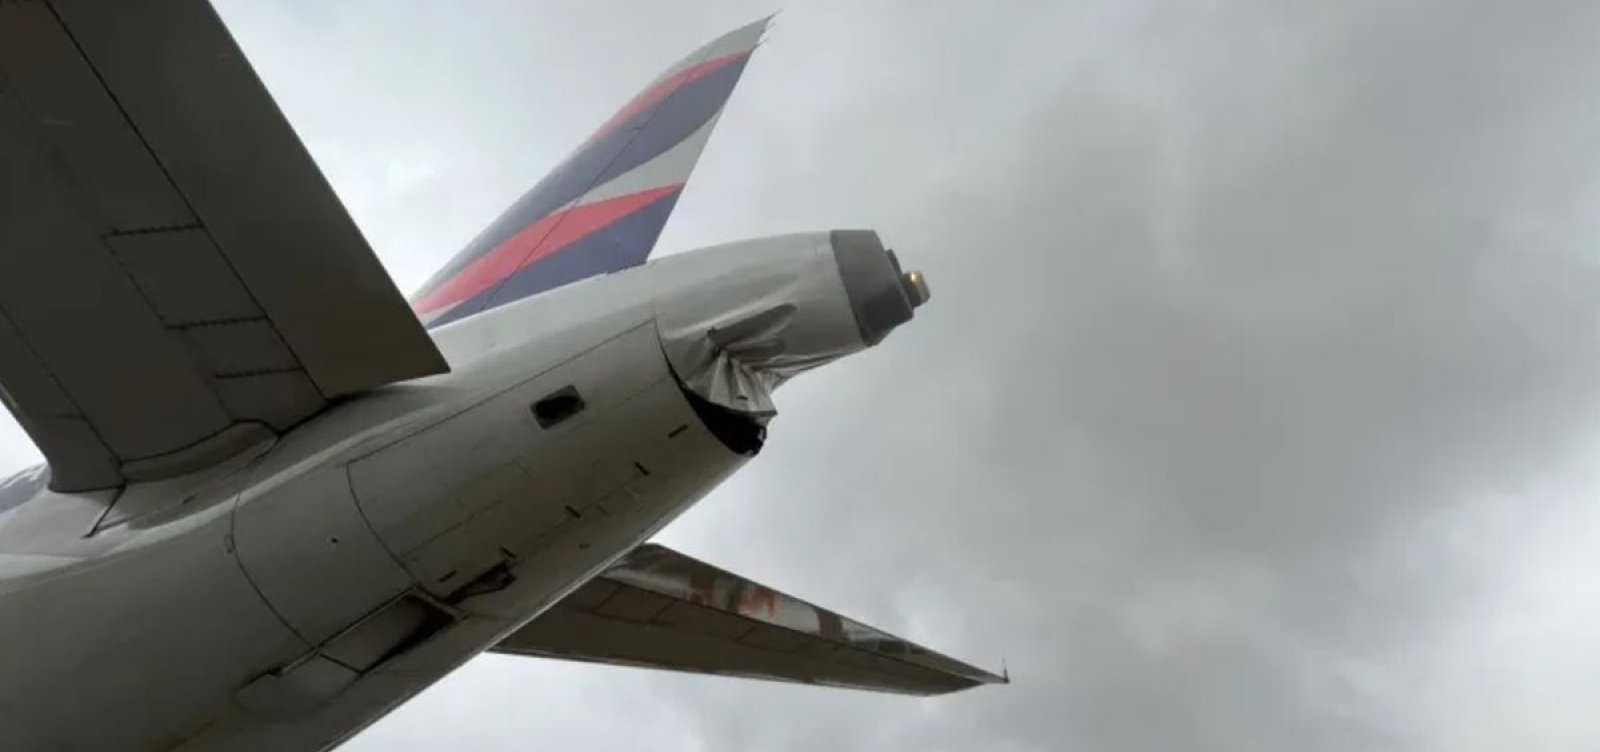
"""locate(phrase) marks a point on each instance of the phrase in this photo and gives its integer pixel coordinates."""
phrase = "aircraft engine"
(737, 320)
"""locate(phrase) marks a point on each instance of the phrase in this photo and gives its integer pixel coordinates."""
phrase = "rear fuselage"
(291, 596)
(228, 611)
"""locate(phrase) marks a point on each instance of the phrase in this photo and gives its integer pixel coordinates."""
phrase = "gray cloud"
(1258, 383)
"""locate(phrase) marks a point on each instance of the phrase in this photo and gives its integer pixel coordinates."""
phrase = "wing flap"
(193, 98)
(174, 265)
(660, 609)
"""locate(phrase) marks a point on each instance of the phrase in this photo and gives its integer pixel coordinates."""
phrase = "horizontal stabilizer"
(657, 608)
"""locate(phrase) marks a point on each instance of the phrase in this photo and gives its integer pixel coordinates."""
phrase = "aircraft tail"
(602, 209)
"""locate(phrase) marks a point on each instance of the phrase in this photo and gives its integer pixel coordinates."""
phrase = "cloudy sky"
(1257, 407)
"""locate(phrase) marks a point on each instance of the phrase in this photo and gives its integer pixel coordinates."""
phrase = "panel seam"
(178, 190)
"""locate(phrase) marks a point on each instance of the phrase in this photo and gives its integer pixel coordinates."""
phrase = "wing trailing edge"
(178, 281)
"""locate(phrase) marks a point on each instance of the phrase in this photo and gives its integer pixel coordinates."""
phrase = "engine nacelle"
(737, 320)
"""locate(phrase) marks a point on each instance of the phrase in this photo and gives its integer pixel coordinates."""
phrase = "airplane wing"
(657, 608)
(177, 279)
(602, 209)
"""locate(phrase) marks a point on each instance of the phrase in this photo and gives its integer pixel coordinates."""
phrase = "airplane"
(280, 498)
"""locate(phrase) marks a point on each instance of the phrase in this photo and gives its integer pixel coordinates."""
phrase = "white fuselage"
(288, 598)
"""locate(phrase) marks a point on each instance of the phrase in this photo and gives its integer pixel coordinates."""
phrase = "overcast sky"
(1256, 407)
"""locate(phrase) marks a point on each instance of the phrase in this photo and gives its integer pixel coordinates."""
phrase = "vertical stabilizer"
(602, 209)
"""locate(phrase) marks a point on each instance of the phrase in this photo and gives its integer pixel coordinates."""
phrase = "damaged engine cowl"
(737, 320)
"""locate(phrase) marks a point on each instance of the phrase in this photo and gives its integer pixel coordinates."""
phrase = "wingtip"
(980, 677)
(984, 676)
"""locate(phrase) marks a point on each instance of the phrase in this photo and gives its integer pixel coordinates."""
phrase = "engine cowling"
(738, 320)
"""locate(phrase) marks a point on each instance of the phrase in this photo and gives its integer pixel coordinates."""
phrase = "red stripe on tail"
(540, 239)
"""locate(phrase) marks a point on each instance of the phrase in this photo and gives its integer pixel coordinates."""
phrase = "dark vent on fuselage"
(558, 406)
